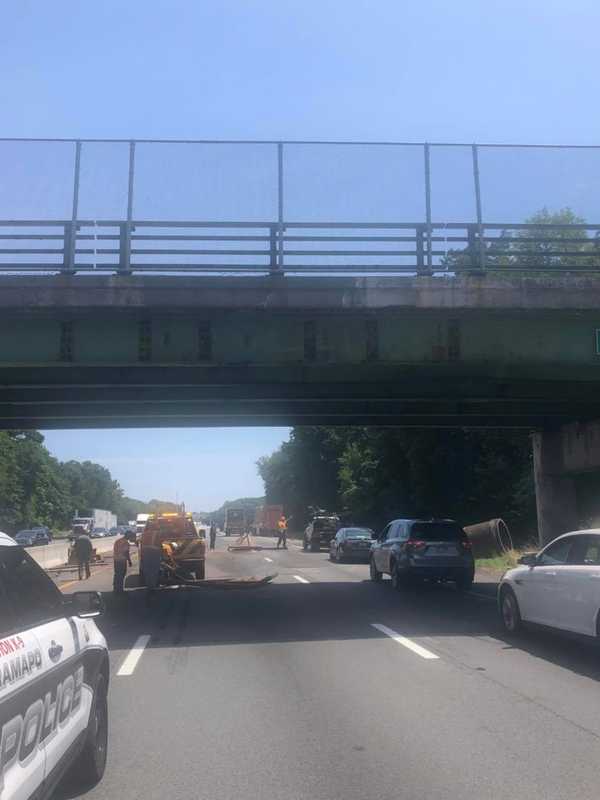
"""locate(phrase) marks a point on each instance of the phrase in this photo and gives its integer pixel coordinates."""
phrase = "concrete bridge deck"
(110, 350)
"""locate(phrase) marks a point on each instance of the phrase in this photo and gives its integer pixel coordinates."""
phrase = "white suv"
(53, 680)
(558, 587)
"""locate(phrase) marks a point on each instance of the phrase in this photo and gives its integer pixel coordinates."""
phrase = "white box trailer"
(140, 523)
(103, 518)
(92, 519)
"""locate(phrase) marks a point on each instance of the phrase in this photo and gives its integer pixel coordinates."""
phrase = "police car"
(53, 680)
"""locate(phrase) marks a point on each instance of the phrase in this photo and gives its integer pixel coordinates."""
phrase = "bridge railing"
(277, 247)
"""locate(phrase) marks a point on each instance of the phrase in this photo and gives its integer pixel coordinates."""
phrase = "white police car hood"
(47, 677)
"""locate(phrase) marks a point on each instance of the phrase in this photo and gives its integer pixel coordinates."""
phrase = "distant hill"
(128, 508)
(218, 516)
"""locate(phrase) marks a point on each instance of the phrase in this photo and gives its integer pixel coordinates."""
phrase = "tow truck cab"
(171, 548)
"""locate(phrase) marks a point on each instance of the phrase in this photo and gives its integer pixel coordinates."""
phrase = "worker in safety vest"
(83, 553)
(282, 527)
(121, 558)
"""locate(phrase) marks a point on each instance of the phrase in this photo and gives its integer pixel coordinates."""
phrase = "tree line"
(536, 248)
(373, 474)
(38, 489)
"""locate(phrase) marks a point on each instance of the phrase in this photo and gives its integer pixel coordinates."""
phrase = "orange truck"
(266, 519)
(171, 550)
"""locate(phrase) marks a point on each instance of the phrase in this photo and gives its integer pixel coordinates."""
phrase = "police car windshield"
(30, 594)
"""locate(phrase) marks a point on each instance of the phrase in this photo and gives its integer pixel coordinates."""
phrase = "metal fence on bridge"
(150, 206)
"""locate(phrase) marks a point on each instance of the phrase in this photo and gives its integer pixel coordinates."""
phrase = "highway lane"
(290, 692)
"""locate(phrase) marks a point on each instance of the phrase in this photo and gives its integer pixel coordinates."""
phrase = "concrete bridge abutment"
(560, 456)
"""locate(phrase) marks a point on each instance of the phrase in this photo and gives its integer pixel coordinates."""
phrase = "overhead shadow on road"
(340, 610)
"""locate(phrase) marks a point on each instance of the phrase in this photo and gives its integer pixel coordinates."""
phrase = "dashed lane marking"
(270, 560)
(416, 648)
(131, 659)
(301, 579)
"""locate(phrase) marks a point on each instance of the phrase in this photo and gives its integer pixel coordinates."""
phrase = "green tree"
(91, 486)
(381, 473)
(32, 491)
(521, 250)
(573, 241)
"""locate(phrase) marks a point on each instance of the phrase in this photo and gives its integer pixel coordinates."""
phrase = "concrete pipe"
(490, 538)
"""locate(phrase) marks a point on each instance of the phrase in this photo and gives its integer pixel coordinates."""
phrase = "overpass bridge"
(329, 309)
(488, 351)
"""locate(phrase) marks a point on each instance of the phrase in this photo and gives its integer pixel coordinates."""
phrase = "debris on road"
(248, 582)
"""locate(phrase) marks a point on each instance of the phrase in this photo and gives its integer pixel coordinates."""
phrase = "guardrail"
(291, 181)
(55, 553)
(277, 247)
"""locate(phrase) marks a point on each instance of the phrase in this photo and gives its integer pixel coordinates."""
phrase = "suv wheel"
(509, 609)
(397, 579)
(374, 572)
(314, 547)
(91, 762)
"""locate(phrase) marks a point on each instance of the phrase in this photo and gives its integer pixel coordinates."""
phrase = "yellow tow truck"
(171, 550)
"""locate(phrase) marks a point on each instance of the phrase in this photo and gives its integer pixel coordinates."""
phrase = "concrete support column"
(554, 488)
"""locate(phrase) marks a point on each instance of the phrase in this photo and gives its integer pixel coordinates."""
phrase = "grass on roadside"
(505, 561)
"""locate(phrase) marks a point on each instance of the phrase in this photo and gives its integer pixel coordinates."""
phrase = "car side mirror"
(528, 560)
(87, 604)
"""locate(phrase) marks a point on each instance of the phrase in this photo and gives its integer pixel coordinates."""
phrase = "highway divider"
(56, 553)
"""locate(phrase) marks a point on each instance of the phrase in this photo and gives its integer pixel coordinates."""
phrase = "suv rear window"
(324, 525)
(359, 533)
(437, 531)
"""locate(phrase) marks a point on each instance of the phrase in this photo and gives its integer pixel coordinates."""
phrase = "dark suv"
(435, 549)
(320, 531)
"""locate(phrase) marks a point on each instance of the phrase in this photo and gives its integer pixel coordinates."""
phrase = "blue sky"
(522, 71)
(201, 466)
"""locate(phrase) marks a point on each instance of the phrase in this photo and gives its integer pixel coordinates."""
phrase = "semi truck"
(266, 519)
(235, 521)
(91, 519)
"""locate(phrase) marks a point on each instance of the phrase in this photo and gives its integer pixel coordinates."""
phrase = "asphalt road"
(289, 692)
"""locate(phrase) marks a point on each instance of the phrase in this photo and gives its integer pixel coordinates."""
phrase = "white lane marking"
(133, 656)
(416, 648)
(270, 560)
(301, 579)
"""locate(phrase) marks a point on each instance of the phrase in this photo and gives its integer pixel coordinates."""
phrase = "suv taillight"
(466, 544)
(417, 544)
